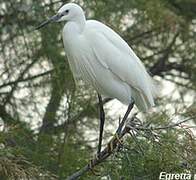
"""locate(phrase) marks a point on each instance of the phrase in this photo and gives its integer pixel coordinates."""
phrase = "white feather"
(104, 60)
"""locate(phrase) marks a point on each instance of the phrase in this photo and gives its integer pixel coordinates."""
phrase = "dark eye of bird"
(67, 11)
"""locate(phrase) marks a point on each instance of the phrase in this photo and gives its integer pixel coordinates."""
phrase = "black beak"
(54, 18)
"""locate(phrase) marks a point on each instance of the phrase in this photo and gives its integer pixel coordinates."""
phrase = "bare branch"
(25, 79)
(132, 125)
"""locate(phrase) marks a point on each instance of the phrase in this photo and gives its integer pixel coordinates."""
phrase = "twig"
(160, 128)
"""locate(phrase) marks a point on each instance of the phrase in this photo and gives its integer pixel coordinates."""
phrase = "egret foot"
(92, 164)
(111, 143)
(118, 138)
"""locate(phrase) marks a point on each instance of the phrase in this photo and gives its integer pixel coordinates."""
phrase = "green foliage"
(49, 127)
(17, 153)
(145, 158)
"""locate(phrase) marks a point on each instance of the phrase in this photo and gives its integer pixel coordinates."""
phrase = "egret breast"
(85, 65)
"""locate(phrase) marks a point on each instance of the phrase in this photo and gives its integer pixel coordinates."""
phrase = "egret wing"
(115, 54)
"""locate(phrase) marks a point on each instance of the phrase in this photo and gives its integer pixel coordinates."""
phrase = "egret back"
(104, 60)
(116, 55)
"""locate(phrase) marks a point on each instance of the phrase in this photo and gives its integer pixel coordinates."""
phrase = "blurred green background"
(48, 127)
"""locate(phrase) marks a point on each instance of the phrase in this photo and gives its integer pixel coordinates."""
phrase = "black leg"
(102, 120)
(119, 129)
(130, 107)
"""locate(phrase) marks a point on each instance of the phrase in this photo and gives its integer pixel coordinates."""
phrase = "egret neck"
(76, 25)
(72, 31)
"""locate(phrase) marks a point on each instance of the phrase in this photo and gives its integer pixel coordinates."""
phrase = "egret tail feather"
(141, 101)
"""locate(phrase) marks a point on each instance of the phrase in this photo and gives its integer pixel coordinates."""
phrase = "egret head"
(68, 12)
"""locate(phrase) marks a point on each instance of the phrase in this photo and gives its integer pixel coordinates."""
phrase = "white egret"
(101, 58)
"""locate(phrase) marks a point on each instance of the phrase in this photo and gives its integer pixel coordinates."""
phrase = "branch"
(25, 79)
(160, 66)
(107, 151)
(9, 96)
(104, 154)
(132, 124)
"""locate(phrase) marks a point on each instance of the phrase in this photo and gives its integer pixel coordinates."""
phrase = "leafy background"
(49, 127)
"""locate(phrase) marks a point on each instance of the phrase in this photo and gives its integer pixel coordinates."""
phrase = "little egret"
(101, 58)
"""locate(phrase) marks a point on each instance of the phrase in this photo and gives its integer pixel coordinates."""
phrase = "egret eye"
(67, 11)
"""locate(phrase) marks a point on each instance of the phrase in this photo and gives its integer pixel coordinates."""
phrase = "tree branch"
(131, 125)
(25, 79)
(7, 99)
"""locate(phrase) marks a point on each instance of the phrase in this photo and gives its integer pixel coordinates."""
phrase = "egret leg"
(118, 131)
(102, 120)
(130, 107)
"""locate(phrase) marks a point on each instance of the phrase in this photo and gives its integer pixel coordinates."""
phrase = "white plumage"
(101, 58)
